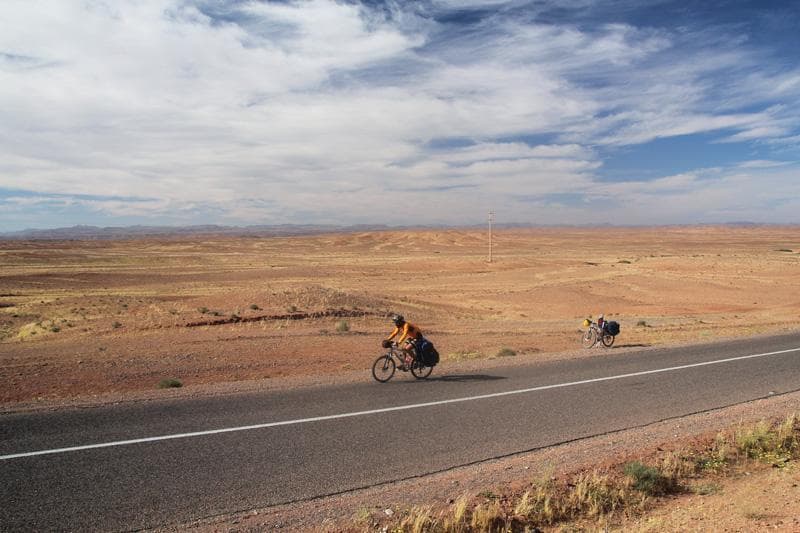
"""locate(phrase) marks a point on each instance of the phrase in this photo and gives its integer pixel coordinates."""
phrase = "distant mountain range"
(133, 232)
(82, 232)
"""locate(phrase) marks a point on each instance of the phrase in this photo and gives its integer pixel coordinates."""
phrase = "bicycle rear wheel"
(383, 368)
(420, 371)
(608, 340)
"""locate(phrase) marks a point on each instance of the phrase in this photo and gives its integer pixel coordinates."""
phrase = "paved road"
(146, 484)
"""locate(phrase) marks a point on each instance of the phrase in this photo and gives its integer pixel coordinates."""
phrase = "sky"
(239, 112)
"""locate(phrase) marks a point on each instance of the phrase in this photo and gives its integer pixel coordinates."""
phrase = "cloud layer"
(176, 111)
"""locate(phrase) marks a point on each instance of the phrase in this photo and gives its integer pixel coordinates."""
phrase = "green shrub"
(642, 323)
(116, 325)
(203, 310)
(169, 384)
(254, 307)
(506, 352)
(342, 326)
(648, 479)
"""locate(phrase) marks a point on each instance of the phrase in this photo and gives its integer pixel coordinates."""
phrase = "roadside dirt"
(80, 319)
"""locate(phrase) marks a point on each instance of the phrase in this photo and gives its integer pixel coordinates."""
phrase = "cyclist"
(410, 334)
(601, 322)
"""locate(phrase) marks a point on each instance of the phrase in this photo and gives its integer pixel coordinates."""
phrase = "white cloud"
(326, 109)
(761, 163)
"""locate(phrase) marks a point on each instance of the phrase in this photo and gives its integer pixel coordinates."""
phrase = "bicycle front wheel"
(589, 338)
(420, 371)
(383, 368)
(608, 340)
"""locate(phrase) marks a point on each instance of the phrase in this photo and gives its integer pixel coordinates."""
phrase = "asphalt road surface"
(166, 462)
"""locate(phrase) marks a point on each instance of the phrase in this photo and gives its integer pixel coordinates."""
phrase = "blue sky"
(547, 112)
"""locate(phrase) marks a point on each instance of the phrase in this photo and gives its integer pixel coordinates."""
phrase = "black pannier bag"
(612, 328)
(428, 352)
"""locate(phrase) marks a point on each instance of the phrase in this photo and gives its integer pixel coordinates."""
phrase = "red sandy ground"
(87, 318)
(98, 321)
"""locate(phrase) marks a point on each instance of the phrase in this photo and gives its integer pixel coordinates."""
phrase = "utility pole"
(491, 222)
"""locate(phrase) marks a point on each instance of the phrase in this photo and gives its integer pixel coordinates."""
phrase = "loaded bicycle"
(384, 366)
(603, 333)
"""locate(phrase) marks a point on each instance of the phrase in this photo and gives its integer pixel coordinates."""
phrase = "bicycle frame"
(399, 353)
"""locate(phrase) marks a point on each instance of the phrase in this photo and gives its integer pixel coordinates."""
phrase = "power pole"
(491, 222)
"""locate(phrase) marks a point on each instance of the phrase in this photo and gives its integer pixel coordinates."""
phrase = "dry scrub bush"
(772, 443)
(768, 443)
(595, 495)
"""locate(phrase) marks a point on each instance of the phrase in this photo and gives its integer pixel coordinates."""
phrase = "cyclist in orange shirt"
(410, 334)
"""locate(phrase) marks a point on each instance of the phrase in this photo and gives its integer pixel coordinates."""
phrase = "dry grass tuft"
(418, 520)
(488, 517)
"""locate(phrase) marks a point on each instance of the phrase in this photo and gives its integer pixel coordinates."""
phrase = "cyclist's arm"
(395, 332)
(404, 335)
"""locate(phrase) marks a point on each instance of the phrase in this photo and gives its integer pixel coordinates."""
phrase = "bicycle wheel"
(383, 368)
(589, 338)
(608, 340)
(420, 371)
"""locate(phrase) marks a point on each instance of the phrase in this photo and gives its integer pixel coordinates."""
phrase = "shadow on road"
(459, 378)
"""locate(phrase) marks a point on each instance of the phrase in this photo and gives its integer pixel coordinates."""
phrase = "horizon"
(550, 113)
(74, 232)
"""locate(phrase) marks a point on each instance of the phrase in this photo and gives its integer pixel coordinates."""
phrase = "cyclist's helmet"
(398, 320)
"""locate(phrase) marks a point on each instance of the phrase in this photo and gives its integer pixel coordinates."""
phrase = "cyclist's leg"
(410, 351)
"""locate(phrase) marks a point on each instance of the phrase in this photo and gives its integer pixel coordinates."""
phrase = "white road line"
(383, 410)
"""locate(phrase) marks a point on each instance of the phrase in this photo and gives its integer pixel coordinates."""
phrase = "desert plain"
(82, 319)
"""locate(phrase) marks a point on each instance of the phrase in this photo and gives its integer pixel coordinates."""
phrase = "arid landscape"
(84, 318)
(104, 320)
